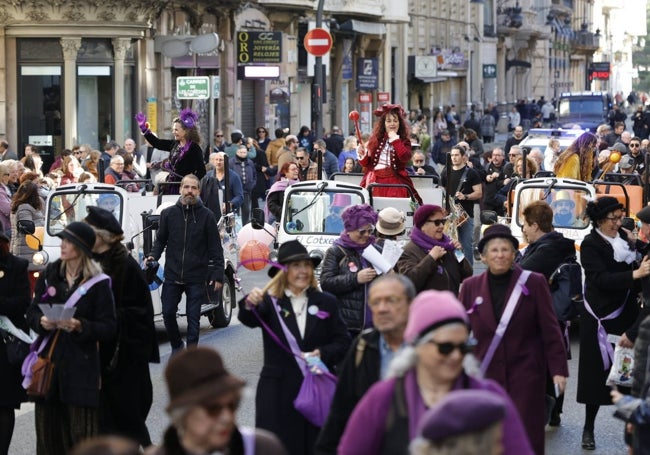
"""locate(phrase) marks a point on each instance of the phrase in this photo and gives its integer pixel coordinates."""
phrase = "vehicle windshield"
(569, 205)
(309, 212)
(578, 106)
(66, 207)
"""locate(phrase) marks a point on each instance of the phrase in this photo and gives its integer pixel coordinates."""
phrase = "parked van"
(585, 110)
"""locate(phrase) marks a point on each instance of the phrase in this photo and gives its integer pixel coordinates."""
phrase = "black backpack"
(566, 289)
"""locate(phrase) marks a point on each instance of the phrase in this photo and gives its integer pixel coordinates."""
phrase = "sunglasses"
(300, 158)
(633, 146)
(215, 410)
(368, 231)
(447, 348)
(437, 222)
(218, 135)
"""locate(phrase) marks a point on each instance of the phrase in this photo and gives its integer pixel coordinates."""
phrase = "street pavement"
(241, 349)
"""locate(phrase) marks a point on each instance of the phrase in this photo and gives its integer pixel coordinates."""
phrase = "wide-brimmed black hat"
(497, 231)
(81, 234)
(103, 219)
(292, 251)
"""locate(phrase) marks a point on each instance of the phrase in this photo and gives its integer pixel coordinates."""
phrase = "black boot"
(588, 442)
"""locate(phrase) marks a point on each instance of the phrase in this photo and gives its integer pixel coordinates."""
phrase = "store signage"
(259, 47)
(193, 87)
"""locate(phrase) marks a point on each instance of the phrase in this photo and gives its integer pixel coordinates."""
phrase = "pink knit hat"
(430, 310)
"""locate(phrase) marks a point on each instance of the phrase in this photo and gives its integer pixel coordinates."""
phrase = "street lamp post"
(317, 86)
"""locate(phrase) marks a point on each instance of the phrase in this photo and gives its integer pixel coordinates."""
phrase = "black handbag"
(16, 348)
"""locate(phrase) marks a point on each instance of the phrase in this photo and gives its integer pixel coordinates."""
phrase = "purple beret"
(357, 216)
(461, 412)
(423, 213)
(430, 310)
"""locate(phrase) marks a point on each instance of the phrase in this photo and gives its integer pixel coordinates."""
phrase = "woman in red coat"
(387, 153)
(532, 343)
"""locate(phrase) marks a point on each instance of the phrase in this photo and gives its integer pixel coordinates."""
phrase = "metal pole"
(317, 86)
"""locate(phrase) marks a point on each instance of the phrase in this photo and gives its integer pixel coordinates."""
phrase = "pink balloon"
(247, 233)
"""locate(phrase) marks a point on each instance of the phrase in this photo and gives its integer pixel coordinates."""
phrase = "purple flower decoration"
(440, 270)
(477, 302)
(49, 292)
(321, 314)
(189, 118)
(524, 290)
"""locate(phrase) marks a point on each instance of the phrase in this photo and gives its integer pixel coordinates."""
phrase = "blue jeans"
(194, 297)
(465, 237)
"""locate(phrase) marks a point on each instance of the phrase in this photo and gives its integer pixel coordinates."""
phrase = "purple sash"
(606, 351)
(39, 344)
(505, 320)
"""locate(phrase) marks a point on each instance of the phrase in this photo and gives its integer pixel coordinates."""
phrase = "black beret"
(103, 219)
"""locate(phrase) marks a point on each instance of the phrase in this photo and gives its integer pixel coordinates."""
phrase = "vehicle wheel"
(221, 316)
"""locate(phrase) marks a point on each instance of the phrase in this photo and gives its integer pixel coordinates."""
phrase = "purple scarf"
(426, 243)
(346, 242)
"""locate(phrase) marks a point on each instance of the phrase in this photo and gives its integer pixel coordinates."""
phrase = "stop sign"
(318, 42)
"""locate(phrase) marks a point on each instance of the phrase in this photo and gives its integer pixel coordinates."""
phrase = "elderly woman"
(127, 392)
(185, 154)
(532, 345)
(5, 199)
(577, 161)
(14, 300)
(203, 402)
(345, 272)
(27, 205)
(430, 259)
(311, 318)
(423, 374)
(68, 413)
(612, 282)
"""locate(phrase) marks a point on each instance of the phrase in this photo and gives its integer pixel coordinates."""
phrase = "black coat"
(339, 276)
(77, 375)
(547, 253)
(280, 379)
(127, 391)
(194, 253)
(190, 163)
(360, 369)
(641, 345)
(608, 285)
(14, 300)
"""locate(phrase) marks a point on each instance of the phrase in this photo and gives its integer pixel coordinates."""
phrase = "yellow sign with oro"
(152, 114)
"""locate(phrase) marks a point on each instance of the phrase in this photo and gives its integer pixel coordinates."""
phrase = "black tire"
(220, 317)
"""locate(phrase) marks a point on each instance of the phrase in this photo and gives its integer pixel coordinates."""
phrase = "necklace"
(302, 309)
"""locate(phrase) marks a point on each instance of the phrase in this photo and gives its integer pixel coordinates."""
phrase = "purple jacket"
(365, 430)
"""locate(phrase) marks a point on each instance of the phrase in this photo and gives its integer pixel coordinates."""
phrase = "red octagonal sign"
(318, 42)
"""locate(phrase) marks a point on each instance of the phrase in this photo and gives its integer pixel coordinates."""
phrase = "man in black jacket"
(368, 358)
(193, 256)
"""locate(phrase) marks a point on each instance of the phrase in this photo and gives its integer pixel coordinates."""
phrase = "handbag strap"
(505, 320)
(51, 350)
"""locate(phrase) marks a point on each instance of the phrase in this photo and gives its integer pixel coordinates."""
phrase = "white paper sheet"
(373, 256)
(57, 312)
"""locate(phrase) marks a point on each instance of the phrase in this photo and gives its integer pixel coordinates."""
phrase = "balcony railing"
(586, 41)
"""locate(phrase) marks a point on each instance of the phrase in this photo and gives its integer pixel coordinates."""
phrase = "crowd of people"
(431, 357)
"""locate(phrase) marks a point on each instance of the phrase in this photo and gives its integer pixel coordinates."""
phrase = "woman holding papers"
(347, 271)
(14, 299)
(68, 412)
(430, 259)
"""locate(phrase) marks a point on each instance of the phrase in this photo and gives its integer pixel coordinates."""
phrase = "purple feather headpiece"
(189, 118)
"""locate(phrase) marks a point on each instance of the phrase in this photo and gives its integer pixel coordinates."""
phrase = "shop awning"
(367, 28)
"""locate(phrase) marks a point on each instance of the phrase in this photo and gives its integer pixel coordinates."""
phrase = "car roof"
(539, 137)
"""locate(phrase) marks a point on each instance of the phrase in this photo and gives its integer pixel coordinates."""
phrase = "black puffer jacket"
(193, 246)
(339, 277)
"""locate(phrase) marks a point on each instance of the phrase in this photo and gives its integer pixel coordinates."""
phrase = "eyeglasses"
(447, 348)
(215, 410)
(633, 146)
(300, 158)
(368, 231)
(218, 135)
(615, 218)
(437, 222)
(513, 154)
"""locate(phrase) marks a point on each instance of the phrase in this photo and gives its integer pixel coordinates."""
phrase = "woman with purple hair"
(577, 161)
(185, 153)
(345, 272)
